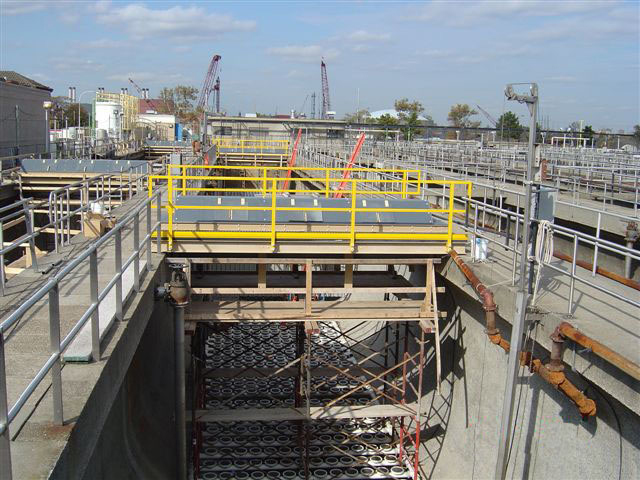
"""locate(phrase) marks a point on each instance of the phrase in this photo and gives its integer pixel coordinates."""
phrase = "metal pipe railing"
(51, 289)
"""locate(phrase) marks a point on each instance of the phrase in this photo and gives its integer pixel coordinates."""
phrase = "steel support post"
(522, 297)
(5, 437)
(178, 291)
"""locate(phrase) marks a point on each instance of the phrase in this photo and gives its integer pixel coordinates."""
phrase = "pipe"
(599, 270)
(569, 331)
(179, 296)
(586, 406)
(488, 304)
(552, 373)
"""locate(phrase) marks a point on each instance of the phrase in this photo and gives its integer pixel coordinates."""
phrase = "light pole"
(47, 143)
(87, 91)
(522, 297)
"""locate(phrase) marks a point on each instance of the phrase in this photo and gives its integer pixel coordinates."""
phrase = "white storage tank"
(109, 118)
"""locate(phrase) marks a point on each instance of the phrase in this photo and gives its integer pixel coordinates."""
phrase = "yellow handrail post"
(404, 184)
(352, 241)
(326, 184)
(184, 180)
(264, 181)
(273, 214)
(170, 209)
(450, 216)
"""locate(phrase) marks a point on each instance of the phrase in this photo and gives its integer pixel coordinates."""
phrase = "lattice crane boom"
(492, 120)
(326, 101)
(216, 94)
(141, 91)
(208, 85)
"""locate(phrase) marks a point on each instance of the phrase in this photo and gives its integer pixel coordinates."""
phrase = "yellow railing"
(241, 146)
(269, 183)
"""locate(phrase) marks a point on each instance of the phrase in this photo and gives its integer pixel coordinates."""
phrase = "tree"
(509, 127)
(357, 117)
(460, 116)
(574, 126)
(63, 112)
(387, 121)
(179, 101)
(588, 132)
(408, 113)
(636, 133)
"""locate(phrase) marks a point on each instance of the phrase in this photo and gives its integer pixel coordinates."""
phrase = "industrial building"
(23, 127)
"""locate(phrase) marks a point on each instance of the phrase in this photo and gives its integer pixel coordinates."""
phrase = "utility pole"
(522, 297)
(17, 130)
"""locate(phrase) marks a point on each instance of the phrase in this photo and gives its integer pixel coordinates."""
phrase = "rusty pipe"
(488, 303)
(554, 372)
(586, 406)
(569, 331)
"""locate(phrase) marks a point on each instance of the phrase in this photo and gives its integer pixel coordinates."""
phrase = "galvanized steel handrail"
(481, 208)
(51, 288)
(60, 213)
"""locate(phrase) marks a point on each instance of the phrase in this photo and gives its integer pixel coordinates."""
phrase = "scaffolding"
(311, 385)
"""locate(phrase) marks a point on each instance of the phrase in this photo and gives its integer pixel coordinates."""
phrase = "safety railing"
(50, 293)
(242, 146)
(271, 182)
(489, 218)
(12, 215)
(106, 190)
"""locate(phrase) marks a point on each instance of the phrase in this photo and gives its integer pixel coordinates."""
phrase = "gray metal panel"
(301, 216)
(259, 216)
(365, 217)
(336, 217)
(546, 208)
(288, 216)
(81, 165)
(411, 218)
(381, 215)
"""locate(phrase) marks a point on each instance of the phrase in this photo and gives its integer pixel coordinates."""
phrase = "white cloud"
(102, 43)
(19, 7)
(364, 36)
(178, 22)
(145, 77)
(477, 13)
(607, 26)
(304, 53)
(562, 79)
(75, 64)
(297, 74)
(435, 53)
(41, 77)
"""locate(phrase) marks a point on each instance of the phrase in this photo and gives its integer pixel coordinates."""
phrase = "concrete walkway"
(27, 343)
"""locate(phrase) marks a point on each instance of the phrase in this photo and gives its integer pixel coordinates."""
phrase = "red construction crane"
(208, 85)
(326, 102)
(144, 95)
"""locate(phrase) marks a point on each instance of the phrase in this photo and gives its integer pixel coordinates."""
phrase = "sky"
(584, 55)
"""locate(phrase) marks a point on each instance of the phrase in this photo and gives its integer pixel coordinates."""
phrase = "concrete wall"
(31, 119)
(550, 441)
(138, 439)
(460, 438)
